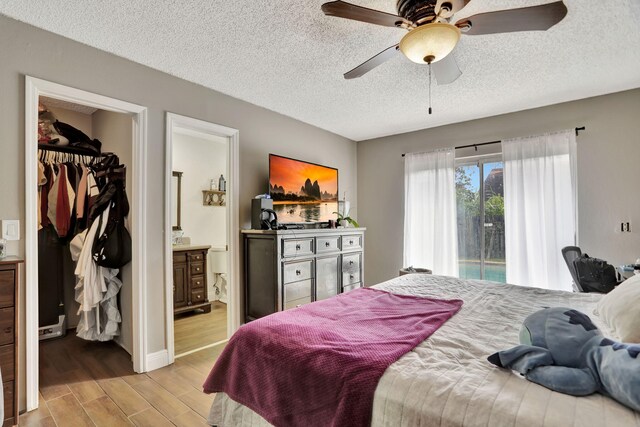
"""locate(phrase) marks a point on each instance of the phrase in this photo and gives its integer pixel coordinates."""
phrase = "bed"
(447, 381)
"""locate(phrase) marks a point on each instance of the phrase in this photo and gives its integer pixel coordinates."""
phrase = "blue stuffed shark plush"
(561, 349)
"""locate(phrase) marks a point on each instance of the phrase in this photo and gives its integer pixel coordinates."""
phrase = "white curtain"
(540, 208)
(430, 230)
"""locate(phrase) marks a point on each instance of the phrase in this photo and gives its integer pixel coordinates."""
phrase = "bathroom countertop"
(177, 248)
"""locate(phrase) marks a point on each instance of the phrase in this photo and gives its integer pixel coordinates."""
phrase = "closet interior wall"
(114, 130)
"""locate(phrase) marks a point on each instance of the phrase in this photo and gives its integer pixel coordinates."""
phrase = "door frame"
(233, 220)
(34, 88)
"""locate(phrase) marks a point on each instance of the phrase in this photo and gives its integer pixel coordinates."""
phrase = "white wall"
(608, 175)
(200, 160)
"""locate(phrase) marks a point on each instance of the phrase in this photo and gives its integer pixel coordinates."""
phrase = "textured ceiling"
(58, 103)
(286, 56)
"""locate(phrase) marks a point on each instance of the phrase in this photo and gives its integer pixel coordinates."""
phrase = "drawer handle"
(298, 272)
(197, 268)
(298, 247)
(327, 244)
(351, 262)
(351, 276)
(197, 282)
(351, 242)
(8, 330)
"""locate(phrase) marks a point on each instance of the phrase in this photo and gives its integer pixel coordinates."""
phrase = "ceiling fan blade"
(372, 63)
(446, 70)
(534, 18)
(363, 14)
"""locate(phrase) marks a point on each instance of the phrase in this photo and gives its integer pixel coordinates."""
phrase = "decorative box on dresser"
(9, 280)
(288, 268)
(190, 279)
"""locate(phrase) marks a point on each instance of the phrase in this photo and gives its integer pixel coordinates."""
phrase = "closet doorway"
(202, 304)
(121, 129)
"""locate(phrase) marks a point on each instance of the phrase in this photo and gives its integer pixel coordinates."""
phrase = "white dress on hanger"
(96, 288)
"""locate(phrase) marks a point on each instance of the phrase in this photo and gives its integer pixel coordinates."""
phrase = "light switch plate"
(11, 229)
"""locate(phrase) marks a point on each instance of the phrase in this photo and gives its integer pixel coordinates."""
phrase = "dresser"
(9, 280)
(190, 279)
(288, 268)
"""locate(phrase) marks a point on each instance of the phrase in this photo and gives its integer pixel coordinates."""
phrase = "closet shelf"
(214, 198)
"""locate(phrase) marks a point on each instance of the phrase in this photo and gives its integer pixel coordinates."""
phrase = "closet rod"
(578, 129)
(71, 150)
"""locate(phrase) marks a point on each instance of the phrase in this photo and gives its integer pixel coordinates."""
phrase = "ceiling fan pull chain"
(430, 88)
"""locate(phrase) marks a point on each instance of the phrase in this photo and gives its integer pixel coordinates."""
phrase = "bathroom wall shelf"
(214, 198)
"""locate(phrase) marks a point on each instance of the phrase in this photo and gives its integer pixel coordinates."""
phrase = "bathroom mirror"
(176, 199)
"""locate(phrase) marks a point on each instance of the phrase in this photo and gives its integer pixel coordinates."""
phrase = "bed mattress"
(447, 381)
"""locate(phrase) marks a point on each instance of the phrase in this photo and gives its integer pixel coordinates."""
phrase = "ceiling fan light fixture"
(430, 43)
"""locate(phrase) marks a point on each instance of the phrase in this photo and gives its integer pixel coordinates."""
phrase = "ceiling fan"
(432, 37)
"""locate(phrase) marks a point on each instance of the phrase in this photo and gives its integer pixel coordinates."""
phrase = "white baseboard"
(157, 360)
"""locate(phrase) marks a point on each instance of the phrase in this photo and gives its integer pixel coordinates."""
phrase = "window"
(480, 218)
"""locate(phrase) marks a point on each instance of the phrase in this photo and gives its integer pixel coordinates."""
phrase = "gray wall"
(608, 175)
(114, 131)
(30, 51)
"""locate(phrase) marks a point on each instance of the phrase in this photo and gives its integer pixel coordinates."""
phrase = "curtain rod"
(578, 129)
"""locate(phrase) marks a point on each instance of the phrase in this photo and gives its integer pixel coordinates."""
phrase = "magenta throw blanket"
(319, 364)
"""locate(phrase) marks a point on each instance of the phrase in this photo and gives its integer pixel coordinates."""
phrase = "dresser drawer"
(327, 244)
(297, 302)
(196, 256)
(297, 247)
(6, 326)
(351, 287)
(7, 287)
(6, 362)
(296, 271)
(197, 282)
(197, 296)
(197, 268)
(351, 263)
(350, 278)
(179, 257)
(351, 241)
(7, 388)
(294, 291)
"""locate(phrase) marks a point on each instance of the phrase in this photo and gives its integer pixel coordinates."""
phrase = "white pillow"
(620, 310)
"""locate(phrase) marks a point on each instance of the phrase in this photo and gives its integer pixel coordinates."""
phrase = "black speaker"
(257, 206)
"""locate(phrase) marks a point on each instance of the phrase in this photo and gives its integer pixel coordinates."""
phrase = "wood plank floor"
(93, 384)
(195, 330)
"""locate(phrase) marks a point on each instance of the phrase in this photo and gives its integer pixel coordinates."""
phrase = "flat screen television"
(302, 191)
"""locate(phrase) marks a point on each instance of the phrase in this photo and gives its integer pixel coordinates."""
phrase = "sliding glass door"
(480, 204)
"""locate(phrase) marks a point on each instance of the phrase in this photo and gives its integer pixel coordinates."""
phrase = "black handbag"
(76, 137)
(595, 275)
(112, 249)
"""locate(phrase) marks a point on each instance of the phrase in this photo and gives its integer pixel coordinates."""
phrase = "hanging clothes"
(74, 209)
(96, 289)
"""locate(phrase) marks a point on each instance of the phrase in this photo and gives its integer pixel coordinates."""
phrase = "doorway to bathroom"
(200, 223)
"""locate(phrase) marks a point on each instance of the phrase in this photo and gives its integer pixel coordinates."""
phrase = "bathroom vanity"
(190, 279)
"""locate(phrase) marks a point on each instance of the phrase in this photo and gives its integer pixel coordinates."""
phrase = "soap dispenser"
(222, 183)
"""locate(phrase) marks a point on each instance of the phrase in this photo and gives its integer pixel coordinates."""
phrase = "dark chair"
(570, 253)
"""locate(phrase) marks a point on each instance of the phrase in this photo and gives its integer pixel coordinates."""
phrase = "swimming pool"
(494, 271)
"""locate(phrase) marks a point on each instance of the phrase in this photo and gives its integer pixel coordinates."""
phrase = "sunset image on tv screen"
(302, 191)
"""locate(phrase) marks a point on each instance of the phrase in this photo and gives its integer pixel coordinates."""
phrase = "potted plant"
(344, 220)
